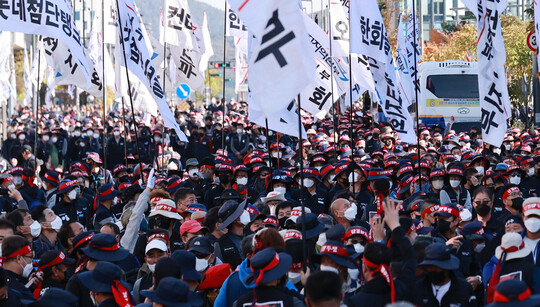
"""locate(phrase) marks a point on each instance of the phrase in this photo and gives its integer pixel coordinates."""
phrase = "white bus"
(449, 93)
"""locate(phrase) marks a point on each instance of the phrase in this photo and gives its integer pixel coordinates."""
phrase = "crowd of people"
(99, 212)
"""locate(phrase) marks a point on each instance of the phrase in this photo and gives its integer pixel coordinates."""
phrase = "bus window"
(453, 86)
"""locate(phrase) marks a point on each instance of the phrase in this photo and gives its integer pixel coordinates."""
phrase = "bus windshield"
(453, 86)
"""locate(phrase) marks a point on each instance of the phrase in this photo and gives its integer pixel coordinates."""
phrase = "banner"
(50, 18)
(178, 24)
(96, 55)
(208, 50)
(285, 122)
(339, 30)
(60, 58)
(493, 90)
(27, 78)
(187, 71)
(368, 33)
(5, 65)
(139, 61)
(412, 47)
(278, 68)
(234, 26)
(362, 73)
(402, 64)
(241, 68)
(51, 86)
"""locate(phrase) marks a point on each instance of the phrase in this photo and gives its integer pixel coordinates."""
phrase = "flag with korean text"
(234, 26)
(402, 64)
(414, 51)
(339, 27)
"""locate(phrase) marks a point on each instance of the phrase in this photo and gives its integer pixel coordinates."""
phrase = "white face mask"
(77, 133)
(507, 147)
(35, 229)
(239, 131)
(13, 135)
(294, 277)
(515, 180)
(116, 133)
(201, 264)
(332, 179)
(353, 273)
(497, 151)
(157, 139)
(83, 145)
(329, 269)
(308, 183)
(351, 212)
(152, 267)
(96, 135)
(532, 224)
(89, 132)
(72, 194)
(455, 183)
(458, 158)
(322, 239)
(54, 139)
(479, 247)
(530, 172)
(193, 172)
(17, 180)
(437, 184)
(245, 218)
(318, 168)
(22, 137)
(27, 270)
(241, 180)
(275, 154)
(46, 138)
(480, 170)
(270, 132)
(281, 190)
(56, 224)
(353, 177)
(359, 248)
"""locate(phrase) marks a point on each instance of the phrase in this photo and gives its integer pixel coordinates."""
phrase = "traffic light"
(228, 79)
(222, 64)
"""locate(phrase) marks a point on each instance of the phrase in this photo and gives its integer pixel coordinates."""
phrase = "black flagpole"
(224, 55)
(104, 86)
(415, 44)
(351, 131)
(332, 77)
(36, 110)
(268, 143)
(304, 254)
(129, 90)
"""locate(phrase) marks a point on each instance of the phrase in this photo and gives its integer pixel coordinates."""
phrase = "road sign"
(183, 91)
(531, 41)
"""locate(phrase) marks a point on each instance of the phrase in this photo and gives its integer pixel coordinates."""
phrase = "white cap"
(156, 243)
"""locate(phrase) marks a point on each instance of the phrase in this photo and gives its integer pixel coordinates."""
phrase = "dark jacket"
(459, 294)
(17, 282)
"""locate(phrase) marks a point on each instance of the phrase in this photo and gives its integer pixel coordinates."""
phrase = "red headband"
(85, 239)
(121, 295)
(104, 193)
(531, 206)
(429, 210)
(509, 191)
(498, 297)
(51, 178)
(356, 231)
(297, 265)
(23, 251)
(385, 272)
(449, 210)
(158, 236)
(156, 199)
(163, 207)
(335, 250)
(292, 235)
(113, 248)
(274, 263)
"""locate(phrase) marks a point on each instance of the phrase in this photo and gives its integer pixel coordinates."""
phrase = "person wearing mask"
(448, 219)
(212, 198)
(530, 185)
(342, 181)
(512, 199)
(155, 250)
(68, 206)
(115, 149)
(17, 265)
(473, 177)
(54, 266)
(50, 185)
(310, 194)
(239, 142)
(441, 286)
(50, 226)
(17, 148)
(211, 223)
(25, 225)
(531, 235)
(164, 216)
(456, 192)
(200, 145)
(491, 225)
(436, 177)
(30, 191)
(335, 258)
(204, 251)
(269, 276)
(194, 181)
(103, 203)
(344, 212)
(189, 230)
(99, 176)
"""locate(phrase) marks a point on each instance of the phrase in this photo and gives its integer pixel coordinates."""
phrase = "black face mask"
(436, 277)
(224, 179)
(123, 179)
(282, 222)
(159, 222)
(517, 203)
(483, 209)
(444, 226)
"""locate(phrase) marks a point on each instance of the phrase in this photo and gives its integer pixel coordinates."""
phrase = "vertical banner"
(414, 50)
(339, 27)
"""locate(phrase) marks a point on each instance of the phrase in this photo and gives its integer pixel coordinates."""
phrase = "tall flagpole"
(224, 106)
(36, 108)
(164, 82)
(129, 87)
(104, 85)
(351, 131)
(331, 76)
(415, 43)
(302, 203)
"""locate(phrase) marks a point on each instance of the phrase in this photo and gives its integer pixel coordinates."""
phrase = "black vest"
(229, 251)
(266, 296)
(454, 197)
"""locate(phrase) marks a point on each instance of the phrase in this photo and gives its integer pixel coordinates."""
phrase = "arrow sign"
(183, 91)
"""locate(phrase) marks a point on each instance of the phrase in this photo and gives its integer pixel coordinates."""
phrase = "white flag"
(187, 71)
(402, 64)
(286, 121)
(140, 63)
(241, 69)
(51, 86)
(279, 69)
(5, 64)
(362, 73)
(38, 64)
(208, 50)
(413, 46)
(96, 55)
(50, 18)
(178, 24)
(369, 37)
(60, 58)
(234, 26)
(339, 28)
(26, 77)
(492, 87)
(110, 21)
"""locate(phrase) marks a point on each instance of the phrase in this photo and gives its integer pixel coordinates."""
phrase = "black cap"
(201, 245)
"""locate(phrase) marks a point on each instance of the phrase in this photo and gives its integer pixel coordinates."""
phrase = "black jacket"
(459, 294)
